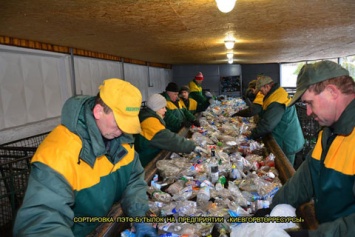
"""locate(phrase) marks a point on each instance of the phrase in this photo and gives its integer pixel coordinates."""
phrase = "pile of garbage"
(206, 192)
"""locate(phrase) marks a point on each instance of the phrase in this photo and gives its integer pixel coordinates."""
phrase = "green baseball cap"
(316, 72)
(262, 81)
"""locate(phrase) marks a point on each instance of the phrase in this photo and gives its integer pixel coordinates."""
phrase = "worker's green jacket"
(196, 93)
(75, 178)
(279, 120)
(155, 137)
(175, 115)
(190, 104)
(328, 177)
(253, 108)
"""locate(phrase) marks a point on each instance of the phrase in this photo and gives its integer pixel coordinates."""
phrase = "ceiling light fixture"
(225, 6)
(230, 60)
(229, 43)
(230, 55)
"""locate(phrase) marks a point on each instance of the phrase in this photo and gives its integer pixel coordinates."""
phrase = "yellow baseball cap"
(125, 101)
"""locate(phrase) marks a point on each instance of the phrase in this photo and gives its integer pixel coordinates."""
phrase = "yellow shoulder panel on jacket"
(317, 151)
(193, 87)
(193, 104)
(341, 154)
(182, 104)
(60, 151)
(150, 127)
(259, 99)
(279, 96)
(170, 105)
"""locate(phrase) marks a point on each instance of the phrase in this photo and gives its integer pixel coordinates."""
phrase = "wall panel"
(30, 85)
(159, 79)
(138, 76)
(90, 72)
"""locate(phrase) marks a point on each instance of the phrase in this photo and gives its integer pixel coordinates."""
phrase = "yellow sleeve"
(150, 127)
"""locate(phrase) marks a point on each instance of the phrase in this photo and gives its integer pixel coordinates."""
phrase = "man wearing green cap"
(278, 119)
(254, 100)
(328, 174)
(86, 165)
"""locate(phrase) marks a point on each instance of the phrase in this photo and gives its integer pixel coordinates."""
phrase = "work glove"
(145, 230)
(186, 124)
(262, 212)
(208, 94)
(243, 113)
(211, 101)
(196, 123)
(235, 114)
(199, 149)
(298, 233)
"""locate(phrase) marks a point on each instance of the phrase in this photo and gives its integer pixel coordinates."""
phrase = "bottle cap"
(214, 169)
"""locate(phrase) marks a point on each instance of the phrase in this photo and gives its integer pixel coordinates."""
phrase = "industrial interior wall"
(90, 72)
(251, 71)
(158, 79)
(183, 74)
(34, 85)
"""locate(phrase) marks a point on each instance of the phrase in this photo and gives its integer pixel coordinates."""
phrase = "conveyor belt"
(282, 164)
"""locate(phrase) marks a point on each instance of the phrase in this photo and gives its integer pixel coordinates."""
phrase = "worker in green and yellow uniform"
(278, 119)
(176, 116)
(254, 107)
(187, 102)
(86, 165)
(327, 176)
(154, 137)
(196, 93)
(250, 92)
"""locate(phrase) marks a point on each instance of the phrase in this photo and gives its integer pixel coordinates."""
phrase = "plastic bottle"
(214, 173)
(169, 234)
(240, 164)
(220, 183)
(127, 233)
(154, 182)
(177, 186)
(161, 196)
(203, 196)
(235, 173)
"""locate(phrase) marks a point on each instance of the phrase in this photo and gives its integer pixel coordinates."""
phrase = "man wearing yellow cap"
(278, 119)
(85, 165)
(327, 176)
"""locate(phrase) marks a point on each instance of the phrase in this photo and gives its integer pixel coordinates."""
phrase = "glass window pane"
(289, 72)
(349, 63)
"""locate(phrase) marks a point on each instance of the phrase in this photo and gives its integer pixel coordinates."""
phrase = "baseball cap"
(316, 72)
(262, 81)
(124, 100)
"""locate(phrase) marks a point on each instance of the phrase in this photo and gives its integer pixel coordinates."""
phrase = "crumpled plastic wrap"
(271, 229)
